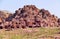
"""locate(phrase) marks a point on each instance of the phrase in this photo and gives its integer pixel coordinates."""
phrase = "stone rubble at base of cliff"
(30, 16)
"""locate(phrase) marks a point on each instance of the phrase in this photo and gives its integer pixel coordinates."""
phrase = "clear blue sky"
(11, 5)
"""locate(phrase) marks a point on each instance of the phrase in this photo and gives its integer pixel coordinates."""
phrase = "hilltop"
(30, 16)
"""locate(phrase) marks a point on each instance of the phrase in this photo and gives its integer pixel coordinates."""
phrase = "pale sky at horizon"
(11, 5)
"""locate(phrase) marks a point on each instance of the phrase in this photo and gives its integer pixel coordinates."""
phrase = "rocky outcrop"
(3, 15)
(30, 16)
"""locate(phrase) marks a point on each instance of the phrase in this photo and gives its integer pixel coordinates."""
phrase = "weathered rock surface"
(3, 15)
(30, 16)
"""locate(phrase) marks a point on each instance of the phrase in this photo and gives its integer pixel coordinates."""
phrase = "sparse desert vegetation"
(31, 33)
